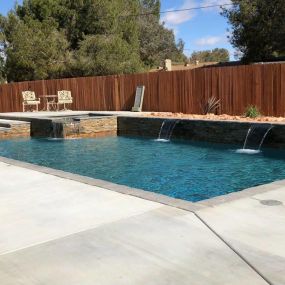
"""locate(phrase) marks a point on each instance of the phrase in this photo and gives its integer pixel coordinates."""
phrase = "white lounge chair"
(64, 97)
(139, 99)
(29, 99)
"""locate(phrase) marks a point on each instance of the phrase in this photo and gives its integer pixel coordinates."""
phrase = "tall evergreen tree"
(34, 50)
(157, 43)
(151, 6)
(2, 51)
(2, 70)
(86, 17)
(258, 28)
(88, 37)
(93, 29)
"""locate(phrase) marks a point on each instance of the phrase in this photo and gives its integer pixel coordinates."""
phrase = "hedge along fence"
(177, 91)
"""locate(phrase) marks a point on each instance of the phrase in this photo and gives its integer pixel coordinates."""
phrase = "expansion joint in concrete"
(233, 249)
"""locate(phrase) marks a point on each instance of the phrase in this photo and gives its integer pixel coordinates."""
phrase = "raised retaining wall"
(82, 128)
(228, 132)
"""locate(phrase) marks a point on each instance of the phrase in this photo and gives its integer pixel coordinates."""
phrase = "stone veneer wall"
(229, 132)
(95, 127)
(85, 127)
(16, 131)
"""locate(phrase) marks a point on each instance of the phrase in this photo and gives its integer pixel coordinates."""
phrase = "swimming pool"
(179, 169)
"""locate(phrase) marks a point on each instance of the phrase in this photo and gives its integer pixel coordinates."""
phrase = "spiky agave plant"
(211, 106)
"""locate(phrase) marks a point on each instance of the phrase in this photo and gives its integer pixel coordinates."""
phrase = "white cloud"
(177, 18)
(173, 19)
(214, 2)
(209, 41)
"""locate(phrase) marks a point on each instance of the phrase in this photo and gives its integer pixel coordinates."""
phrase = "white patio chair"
(139, 99)
(64, 97)
(29, 99)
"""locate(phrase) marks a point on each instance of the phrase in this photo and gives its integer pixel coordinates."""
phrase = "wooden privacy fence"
(177, 91)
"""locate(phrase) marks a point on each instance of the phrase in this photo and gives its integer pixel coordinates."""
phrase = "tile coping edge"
(148, 195)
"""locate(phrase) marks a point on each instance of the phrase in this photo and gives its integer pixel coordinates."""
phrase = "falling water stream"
(166, 130)
(57, 130)
(257, 135)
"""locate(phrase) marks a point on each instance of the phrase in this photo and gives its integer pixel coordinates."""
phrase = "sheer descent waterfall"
(57, 130)
(166, 130)
(255, 138)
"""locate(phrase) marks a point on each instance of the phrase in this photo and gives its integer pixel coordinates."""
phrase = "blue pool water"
(185, 170)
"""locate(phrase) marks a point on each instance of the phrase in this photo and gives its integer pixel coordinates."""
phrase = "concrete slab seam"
(234, 250)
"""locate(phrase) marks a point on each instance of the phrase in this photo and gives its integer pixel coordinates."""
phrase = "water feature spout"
(247, 135)
(257, 134)
(57, 130)
(166, 130)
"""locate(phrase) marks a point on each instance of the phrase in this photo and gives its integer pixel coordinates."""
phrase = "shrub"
(252, 112)
(211, 106)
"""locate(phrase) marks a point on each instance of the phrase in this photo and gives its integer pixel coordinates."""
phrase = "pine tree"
(258, 28)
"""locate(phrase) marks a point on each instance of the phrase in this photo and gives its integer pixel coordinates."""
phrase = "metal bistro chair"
(29, 99)
(64, 97)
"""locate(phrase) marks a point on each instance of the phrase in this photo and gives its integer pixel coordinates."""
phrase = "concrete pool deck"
(59, 230)
(44, 114)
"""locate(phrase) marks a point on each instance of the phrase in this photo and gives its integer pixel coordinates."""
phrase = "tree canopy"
(35, 50)
(158, 43)
(44, 39)
(258, 28)
(2, 70)
(214, 55)
(151, 6)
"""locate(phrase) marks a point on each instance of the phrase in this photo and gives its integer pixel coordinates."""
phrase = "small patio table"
(49, 102)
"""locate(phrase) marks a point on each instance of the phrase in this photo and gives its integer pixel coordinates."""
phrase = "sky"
(199, 29)
(6, 5)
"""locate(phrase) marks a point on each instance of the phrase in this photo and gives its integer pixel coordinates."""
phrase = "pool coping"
(147, 195)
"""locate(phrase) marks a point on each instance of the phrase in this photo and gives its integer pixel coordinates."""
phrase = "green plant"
(211, 106)
(257, 28)
(252, 112)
